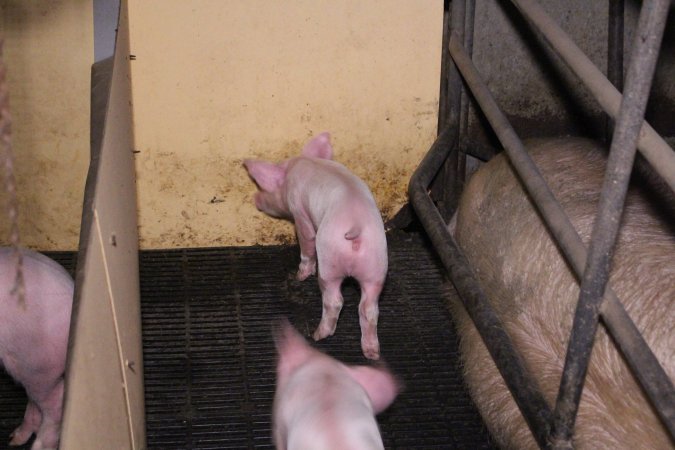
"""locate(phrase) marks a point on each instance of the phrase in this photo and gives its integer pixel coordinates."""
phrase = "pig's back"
(534, 292)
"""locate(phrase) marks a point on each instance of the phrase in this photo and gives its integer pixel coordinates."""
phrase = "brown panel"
(95, 407)
(104, 377)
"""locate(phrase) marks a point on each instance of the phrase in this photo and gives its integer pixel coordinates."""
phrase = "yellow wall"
(216, 81)
(49, 49)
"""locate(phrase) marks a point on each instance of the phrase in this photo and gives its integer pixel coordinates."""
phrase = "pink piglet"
(322, 404)
(338, 225)
(34, 341)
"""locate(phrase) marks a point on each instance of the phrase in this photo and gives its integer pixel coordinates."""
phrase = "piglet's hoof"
(322, 332)
(305, 270)
(39, 445)
(18, 437)
(371, 351)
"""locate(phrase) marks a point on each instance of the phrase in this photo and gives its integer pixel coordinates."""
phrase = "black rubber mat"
(209, 356)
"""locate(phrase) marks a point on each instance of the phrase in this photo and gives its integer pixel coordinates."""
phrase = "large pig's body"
(322, 404)
(33, 341)
(338, 225)
(534, 292)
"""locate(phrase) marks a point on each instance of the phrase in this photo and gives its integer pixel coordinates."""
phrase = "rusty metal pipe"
(614, 54)
(640, 358)
(644, 54)
(651, 145)
(527, 395)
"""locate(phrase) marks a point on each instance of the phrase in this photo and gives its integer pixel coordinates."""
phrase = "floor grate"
(209, 356)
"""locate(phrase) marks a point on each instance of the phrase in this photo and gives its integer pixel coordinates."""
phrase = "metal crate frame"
(553, 427)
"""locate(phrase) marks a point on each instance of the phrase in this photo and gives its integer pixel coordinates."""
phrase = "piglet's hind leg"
(30, 425)
(306, 238)
(332, 305)
(50, 428)
(368, 314)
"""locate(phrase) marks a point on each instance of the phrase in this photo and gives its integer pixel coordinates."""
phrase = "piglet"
(33, 341)
(322, 404)
(337, 223)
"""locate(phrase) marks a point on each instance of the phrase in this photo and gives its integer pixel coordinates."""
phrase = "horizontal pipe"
(651, 145)
(477, 149)
(525, 392)
(639, 356)
(641, 68)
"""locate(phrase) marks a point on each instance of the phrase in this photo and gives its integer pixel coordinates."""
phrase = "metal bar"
(457, 16)
(465, 106)
(640, 358)
(451, 174)
(652, 146)
(615, 43)
(443, 97)
(523, 387)
(614, 54)
(606, 226)
(478, 150)
(470, 13)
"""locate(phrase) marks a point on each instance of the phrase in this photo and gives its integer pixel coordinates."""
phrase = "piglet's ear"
(292, 348)
(319, 147)
(268, 176)
(381, 386)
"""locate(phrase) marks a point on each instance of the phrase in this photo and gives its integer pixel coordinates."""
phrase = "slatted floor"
(209, 356)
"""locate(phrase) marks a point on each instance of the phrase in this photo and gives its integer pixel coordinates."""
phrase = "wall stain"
(192, 202)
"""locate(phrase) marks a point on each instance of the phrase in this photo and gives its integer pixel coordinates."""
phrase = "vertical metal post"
(457, 18)
(614, 54)
(449, 181)
(638, 83)
(615, 43)
(511, 366)
(469, 15)
(446, 62)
